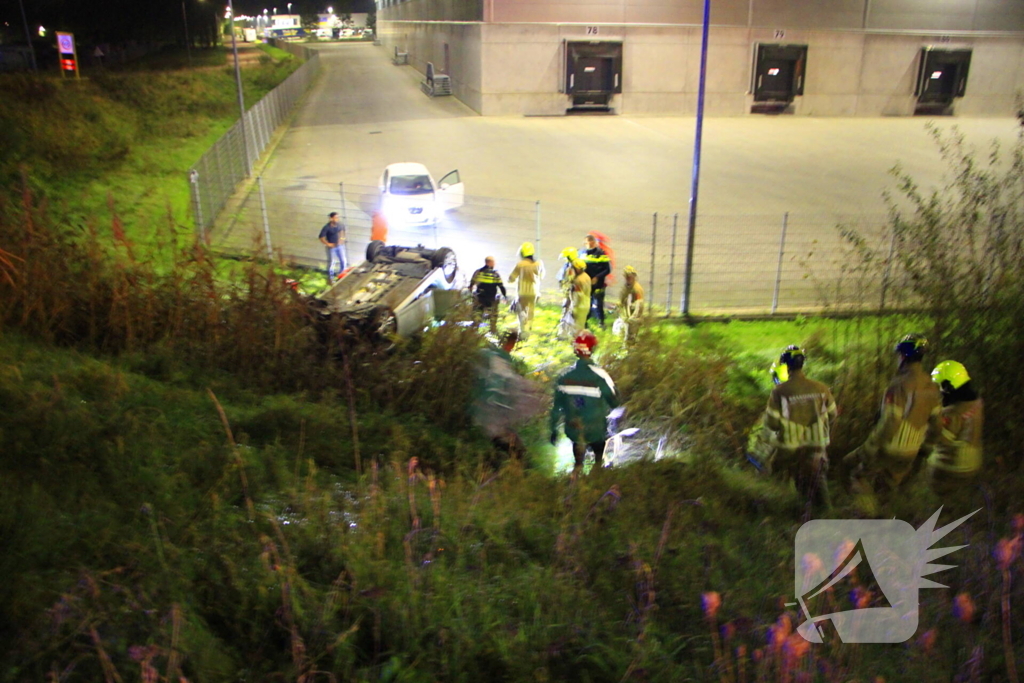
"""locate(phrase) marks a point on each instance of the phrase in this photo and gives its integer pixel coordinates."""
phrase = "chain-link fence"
(215, 177)
(741, 263)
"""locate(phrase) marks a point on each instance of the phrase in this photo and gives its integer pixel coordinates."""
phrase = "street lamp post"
(188, 45)
(28, 36)
(238, 85)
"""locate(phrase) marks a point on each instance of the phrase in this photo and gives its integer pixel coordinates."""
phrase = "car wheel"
(373, 249)
(444, 258)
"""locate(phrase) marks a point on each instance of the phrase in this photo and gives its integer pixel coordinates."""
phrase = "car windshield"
(411, 184)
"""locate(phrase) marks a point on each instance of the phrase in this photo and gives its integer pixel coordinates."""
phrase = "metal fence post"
(654, 248)
(671, 265)
(344, 219)
(197, 206)
(688, 277)
(888, 269)
(536, 249)
(778, 270)
(266, 218)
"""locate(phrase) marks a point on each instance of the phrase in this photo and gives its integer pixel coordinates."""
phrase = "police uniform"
(599, 266)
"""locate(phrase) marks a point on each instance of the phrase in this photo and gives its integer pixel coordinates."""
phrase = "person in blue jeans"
(332, 235)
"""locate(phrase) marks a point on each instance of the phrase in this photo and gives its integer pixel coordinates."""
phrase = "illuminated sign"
(936, 75)
(773, 72)
(68, 56)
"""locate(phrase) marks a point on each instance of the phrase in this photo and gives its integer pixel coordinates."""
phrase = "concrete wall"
(432, 10)
(915, 15)
(850, 71)
(424, 42)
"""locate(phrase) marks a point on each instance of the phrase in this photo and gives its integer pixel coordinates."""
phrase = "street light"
(289, 8)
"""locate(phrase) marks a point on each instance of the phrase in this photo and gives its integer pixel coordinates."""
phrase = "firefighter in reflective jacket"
(599, 267)
(579, 295)
(584, 396)
(955, 456)
(800, 411)
(910, 410)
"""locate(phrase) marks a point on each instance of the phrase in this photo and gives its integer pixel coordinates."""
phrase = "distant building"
(825, 58)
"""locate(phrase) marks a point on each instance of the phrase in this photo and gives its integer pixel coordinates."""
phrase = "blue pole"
(696, 161)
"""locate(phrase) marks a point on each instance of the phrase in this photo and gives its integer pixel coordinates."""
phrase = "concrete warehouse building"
(802, 57)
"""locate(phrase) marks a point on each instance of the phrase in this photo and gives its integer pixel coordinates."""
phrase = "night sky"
(142, 20)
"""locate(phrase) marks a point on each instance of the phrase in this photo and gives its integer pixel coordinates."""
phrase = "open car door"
(451, 193)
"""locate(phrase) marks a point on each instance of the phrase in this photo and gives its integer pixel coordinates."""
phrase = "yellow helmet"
(526, 249)
(952, 372)
(779, 372)
(569, 253)
(578, 264)
(629, 270)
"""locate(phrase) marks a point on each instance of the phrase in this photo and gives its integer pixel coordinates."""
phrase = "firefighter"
(580, 295)
(528, 272)
(485, 284)
(910, 409)
(631, 303)
(800, 412)
(599, 267)
(584, 396)
(762, 442)
(955, 456)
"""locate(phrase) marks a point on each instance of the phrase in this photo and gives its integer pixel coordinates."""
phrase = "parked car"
(409, 196)
(396, 290)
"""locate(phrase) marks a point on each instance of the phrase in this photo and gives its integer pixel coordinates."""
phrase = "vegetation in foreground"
(122, 141)
(202, 482)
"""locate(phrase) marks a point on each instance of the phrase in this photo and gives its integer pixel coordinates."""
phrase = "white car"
(409, 196)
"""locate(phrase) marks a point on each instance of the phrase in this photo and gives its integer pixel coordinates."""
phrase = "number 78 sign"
(68, 55)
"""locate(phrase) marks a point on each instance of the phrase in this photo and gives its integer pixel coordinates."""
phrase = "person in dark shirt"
(485, 284)
(332, 235)
(599, 267)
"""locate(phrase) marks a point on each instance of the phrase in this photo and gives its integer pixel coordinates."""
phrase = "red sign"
(67, 64)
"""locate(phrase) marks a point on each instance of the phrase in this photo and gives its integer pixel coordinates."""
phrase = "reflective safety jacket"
(579, 297)
(799, 411)
(631, 302)
(529, 273)
(486, 282)
(599, 265)
(957, 449)
(910, 406)
(584, 396)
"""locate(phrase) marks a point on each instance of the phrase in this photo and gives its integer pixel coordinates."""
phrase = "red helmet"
(585, 343)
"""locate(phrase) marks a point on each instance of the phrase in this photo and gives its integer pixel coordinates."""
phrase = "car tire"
(373, 249)
(444, 258)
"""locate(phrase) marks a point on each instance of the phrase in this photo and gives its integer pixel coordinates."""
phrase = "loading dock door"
(779, 72)
(942, 76)
(593, 73)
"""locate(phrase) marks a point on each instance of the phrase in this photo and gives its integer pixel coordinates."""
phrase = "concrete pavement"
(605, 172)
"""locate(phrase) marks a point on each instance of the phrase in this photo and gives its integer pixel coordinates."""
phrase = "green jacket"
(584, 395)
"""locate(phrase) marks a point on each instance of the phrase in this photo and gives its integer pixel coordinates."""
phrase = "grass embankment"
(121, 141)
(142, 533)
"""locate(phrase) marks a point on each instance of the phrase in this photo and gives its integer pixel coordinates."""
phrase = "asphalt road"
(610, 173)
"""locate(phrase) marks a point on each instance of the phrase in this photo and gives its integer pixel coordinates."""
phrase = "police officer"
(599, 267)
(800, 412)
(584, 396)
(485, 285)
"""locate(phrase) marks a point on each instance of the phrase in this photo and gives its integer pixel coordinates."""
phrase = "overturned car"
(396, 290)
